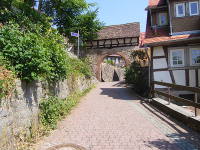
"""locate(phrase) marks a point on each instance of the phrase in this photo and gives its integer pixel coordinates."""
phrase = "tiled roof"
(159, 36)
(167, 39)
(120, 31)
(156, 3)
(156, 36)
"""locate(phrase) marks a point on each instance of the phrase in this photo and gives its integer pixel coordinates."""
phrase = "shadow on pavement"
(120, 92)
(186, 140)
(164, 145)
(179, 143)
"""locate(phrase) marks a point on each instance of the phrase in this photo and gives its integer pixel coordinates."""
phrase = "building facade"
(173, 35)
(114, 45)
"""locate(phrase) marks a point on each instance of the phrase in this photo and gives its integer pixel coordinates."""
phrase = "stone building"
(114, 44)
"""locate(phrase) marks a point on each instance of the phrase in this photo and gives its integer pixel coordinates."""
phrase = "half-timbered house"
(173, 35)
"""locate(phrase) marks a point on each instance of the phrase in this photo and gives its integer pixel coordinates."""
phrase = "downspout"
(170, 18)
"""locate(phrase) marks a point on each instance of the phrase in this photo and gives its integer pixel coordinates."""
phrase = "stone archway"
(104, 55)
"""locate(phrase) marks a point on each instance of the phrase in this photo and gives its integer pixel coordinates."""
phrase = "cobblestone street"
(111, 117)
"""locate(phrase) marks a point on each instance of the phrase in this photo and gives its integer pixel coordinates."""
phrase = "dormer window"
(194, 8)
(162, 19)
(180, 10)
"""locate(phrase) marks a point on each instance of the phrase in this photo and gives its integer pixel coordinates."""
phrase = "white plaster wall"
(159, 63)
(162, 76)
(179, 76)
(158, 51)
(192, 78)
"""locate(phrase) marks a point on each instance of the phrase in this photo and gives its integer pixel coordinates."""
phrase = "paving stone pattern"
(112, 117)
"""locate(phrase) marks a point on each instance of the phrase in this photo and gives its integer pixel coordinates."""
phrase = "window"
(162, 18)
(195, 56)
(194, 8)
(180, 10)
(177, 57)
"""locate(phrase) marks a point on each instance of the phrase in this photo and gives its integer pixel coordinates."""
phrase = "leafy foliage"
(29, 45)
(20, 12)
(73, 15)
(136, 74)
(6, 83)
(34, 56)
(31, 55)
(67, 15)
(88, 25)
(80, 67)
(109, 62)
(54, 109)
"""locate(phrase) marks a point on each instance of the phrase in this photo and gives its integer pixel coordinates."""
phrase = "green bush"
(33, 56)
(54, 109)
(27, 18)
(110, 62)
(79, 67)
(31, 48)
(137, 75)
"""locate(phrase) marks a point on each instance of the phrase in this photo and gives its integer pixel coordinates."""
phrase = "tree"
(67, 15)
(71, 16)
(88, 25)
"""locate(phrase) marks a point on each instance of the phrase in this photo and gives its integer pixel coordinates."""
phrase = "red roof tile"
(156, 3)
(120, 31)
(154, 36)
(161, 39)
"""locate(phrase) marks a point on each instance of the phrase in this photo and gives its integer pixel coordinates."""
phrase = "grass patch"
(54, 109)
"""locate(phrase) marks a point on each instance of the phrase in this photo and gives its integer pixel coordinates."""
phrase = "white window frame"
(191, 62)
(183, 57)
(159, 19)
(176, 6)
(190, 10)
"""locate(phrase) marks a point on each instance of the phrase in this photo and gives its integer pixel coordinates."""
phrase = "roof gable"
(120, 31)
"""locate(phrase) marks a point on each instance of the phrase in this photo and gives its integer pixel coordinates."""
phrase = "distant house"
(173, 35)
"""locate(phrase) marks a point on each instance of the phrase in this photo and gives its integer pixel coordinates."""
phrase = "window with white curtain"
(177, 57)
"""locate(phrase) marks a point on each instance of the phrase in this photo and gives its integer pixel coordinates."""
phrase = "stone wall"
(96, 56)
(20, 113)
(107, 72)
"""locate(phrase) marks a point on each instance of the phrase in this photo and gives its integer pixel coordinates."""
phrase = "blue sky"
(113, 12)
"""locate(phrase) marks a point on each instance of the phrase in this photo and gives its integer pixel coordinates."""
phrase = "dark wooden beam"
(161, 69)
(158, 57)
(187, 77)
(197, 105)
(111, 45)
(197, 77)
(178, 87)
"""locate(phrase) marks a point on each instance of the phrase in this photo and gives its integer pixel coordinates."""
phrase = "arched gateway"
(113, 44)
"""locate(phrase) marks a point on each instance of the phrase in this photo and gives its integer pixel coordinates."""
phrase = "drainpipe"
(170, 18)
